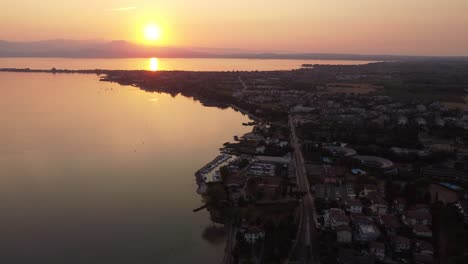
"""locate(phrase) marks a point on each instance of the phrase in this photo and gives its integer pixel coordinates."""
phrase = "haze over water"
(184, 64)
(93, 172)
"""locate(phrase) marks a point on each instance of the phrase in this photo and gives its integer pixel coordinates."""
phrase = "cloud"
(128, 8)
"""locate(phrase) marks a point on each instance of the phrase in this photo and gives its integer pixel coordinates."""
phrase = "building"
(354, 206)
(391, 223)
(351, 256)
(350, 190)
(253, 234)
(261, 169)
(260, 149)
(417, 217)
(367, 190)
(335, 217)
(377, 249)
(405, 151)
(339, 152)
(423, 252)
(463, 209)
(450, 175)
(420, 207)
(367, 232)
(423, 247)
(274, 160)
(329, 191)
(423, 259)
(379, 206)
(401, 244)
(422, 231)
(343, 234)
(399, 204)
(383, 165)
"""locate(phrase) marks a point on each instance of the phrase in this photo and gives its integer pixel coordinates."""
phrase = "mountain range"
(123, 49)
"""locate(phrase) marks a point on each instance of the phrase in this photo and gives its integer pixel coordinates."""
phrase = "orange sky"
(415, 27)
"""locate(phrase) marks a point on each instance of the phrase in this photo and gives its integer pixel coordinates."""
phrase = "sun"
(152, 32)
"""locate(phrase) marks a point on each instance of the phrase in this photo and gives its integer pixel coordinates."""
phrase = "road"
(229, 243)
(243, 84)
(306, 250)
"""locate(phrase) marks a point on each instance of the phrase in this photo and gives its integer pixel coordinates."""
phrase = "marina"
(207, 170)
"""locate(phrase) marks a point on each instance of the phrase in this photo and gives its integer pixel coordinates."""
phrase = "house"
(367, 233)
(354, 206)
(351, 256)
(421, 207)
(399, 205)
(423, 252)
(443, 193)
(260, 150)
(252, 137)
(253, 234)
(368, 188)
(423, 247)
(423, 259)
(379, 206)
(343, 234)
(391, 223)
(377, 249)
(400, 244)
(327, 191)
(417, 217)
(463, 209)
(422, 231)
(350, 191)
(335, 217)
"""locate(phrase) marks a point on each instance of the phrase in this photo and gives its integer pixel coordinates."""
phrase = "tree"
(259, 194)
(243, 163)
(224, 172)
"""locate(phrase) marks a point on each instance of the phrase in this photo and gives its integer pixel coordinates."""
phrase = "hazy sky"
(430, 27)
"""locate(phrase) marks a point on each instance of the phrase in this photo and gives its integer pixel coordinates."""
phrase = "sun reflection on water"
(154, 64)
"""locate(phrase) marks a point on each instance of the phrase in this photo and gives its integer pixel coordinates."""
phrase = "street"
(306, 251)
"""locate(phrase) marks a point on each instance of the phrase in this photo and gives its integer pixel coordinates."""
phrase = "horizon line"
(241, 51)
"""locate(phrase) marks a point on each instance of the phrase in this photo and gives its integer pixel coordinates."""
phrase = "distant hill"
(89, 49)
(123, 49)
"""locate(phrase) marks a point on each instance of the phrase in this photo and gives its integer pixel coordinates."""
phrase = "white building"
(253, 235)
(367, 232)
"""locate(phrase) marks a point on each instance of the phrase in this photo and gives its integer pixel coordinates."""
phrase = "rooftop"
(341, 151)
(368, 229)
(390, 221)
(373, 160)
(418, 215)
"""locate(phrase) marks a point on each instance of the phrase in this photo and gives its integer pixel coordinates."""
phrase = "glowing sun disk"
(152, 32)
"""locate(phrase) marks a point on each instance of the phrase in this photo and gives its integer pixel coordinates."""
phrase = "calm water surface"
(92, 172)
(165, 64)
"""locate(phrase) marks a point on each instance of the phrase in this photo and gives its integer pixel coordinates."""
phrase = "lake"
(94, 172)
(189, 64)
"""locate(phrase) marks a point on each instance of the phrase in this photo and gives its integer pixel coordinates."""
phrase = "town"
(344, 164)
